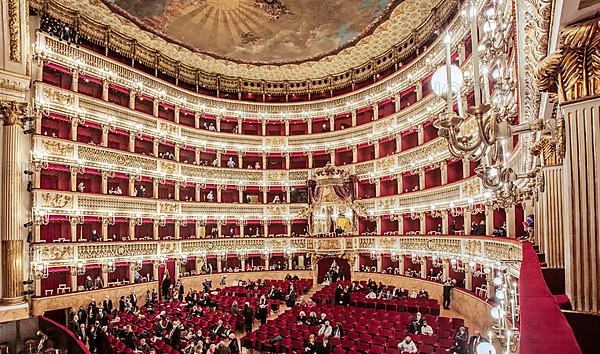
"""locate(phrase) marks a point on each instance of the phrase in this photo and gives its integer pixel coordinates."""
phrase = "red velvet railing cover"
(72, 343)
(544, 329)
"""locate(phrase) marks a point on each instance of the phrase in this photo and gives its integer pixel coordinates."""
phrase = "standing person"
(448, 284)
(291, 297)
(165, 286)
(474, 341)
(248, 317)
(262, 309)
(92, 336)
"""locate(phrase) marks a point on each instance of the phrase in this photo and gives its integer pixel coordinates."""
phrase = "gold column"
(11, 227)
(572, 75)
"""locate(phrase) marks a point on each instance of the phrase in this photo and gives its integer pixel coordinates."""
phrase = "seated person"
(426, 329)
(371, 295)
(338, 331)
(310, 345)
(325, 329)
(407, 346)
(301, 318)
(313, 320)
(414, 327)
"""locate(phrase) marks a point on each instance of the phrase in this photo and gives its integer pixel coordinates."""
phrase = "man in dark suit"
(474, 341)
(414, 326)
(107, 305)
(175, 335)
(448, 284)
(218, 328)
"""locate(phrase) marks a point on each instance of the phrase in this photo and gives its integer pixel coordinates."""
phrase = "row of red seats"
(357, 299)
(363, 334)
(302, 286)
(144, 327)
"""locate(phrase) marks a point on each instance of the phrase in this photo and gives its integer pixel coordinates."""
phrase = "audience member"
(407, 346)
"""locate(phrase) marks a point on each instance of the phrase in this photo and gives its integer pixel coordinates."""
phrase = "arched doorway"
(325, 264)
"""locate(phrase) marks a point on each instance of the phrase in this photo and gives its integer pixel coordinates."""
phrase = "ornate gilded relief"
(573, 72)
(57, 96)
(168, 208)
(57, 148)
(14, 29)
(55, 200)
(12, 112)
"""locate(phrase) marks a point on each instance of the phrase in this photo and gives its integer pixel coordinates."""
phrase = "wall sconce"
(39, 160)
(77, 219)
(162, 260)
(110, 266)
(414, 215)
(39, 270)
(109, 219)
(183, 259)
(40, 217)
(459, 268)
(455, 211)
(137, 220)
(222, 255)
(78, 269)
(137, 265)
(435, 213)
(415, 259)
(78, 168)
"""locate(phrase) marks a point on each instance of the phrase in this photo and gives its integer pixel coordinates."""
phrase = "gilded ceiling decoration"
(407, 20)
(262, 31)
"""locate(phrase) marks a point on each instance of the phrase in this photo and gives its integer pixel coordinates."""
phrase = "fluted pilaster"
(11, 228)
(581, 204)
(549, 223)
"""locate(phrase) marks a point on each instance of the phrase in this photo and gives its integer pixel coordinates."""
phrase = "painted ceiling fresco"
(259, 31)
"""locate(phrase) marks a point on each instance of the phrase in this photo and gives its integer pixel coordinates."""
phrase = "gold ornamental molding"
(536, 15)
(64, 102)
(501, 252)
(71, 203)
(572, 73)
(410, 26)
(56, 150)
(14, 30)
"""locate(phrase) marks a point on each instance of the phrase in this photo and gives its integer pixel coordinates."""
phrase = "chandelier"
(484, 132)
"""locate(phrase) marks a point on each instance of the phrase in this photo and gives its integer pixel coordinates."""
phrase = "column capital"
(568, 74)
(12, 112)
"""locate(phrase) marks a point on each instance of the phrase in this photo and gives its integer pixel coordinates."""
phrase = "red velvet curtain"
(56, 277)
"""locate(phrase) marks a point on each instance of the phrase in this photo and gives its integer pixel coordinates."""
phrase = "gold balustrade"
(69, 203)
(95, 156)
(500, 252)
(459, 194)
(66, 102)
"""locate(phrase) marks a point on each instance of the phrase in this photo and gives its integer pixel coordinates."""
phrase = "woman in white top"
(426, 329)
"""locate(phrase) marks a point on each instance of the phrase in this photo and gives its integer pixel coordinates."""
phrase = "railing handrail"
(72, 339)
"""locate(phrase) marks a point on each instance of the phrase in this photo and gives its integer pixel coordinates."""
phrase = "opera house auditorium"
(300, 176)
